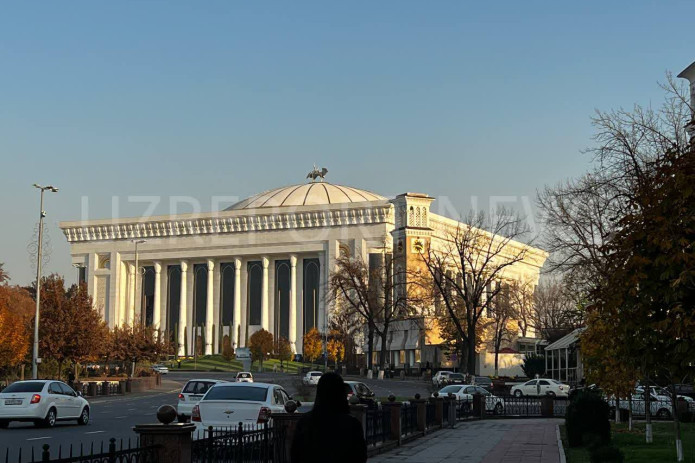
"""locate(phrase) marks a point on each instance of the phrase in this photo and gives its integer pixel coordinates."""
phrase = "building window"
(418, 354)
(255, 289)
(227, 293)
(312, 280)
(401, 357)
(282, 299)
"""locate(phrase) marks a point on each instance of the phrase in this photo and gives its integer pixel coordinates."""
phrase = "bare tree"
(522, 306)
(375, 295)
(466, 270)
(502, 321)
(557, 309)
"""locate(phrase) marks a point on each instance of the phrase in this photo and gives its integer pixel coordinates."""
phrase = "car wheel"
(84, 417)
(50, 419)
(518, 393)
(664, 414)
(551, 394)
(498, 409)
(4, 424)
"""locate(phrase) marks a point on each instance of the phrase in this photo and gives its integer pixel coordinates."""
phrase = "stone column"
(123, 300)
(394, 409)
(236, 315)
(173, 442)
(208, 308)
(157, 309)
(293, 303)
(299, 341)
(164, 300)
(182, 310)
(264, 295)
(131, 294)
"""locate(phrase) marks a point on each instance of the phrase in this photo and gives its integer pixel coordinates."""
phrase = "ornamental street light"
(39, 257)
(137, 277)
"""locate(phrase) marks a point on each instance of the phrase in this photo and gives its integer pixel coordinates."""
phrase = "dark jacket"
(329, 438)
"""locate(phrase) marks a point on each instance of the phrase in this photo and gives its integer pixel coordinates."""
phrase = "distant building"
(261, 263)
(563, 358)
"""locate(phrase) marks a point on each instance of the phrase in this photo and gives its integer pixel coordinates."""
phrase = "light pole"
(42, 214)
(137, 277)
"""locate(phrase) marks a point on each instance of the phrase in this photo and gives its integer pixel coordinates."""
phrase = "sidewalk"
(487, 441)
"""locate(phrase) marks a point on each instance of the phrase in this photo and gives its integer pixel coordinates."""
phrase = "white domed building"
(261, 263)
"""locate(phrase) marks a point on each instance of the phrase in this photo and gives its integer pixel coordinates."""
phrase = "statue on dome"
(316, 173)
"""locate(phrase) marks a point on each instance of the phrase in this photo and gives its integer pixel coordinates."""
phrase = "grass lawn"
(634, 447)
(218, 363)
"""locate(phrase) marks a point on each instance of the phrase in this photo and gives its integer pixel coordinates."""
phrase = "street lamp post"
(137, 277)
(42, 214)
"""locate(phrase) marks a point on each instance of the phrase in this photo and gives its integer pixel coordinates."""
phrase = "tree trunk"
(497, 371)
(649, 436)
(676, 421)
(382, 356)
(471, 353)
(617, 410)
(370, 348)
(629, 412)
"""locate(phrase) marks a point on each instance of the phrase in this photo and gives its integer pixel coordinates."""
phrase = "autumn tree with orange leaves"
(16, 307)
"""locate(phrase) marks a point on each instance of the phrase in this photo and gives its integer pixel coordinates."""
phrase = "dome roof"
(306, 194)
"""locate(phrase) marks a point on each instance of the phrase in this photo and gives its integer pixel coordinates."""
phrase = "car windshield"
(483, 380)
(243, 375)
(555, 381)
(316, 374)
(29, 386)
(455, 376)
(250, 393)
(362, 389)
(452, 389)
(197, 387)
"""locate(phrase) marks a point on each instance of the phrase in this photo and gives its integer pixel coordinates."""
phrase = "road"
(115, 416)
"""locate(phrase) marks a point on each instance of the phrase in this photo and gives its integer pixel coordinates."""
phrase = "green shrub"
(587, 414)
(606, 454)
(534, 364)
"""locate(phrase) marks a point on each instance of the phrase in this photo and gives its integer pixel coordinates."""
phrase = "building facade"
(261, 263)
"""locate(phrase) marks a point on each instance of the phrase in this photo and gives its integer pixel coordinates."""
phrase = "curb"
(560, 447)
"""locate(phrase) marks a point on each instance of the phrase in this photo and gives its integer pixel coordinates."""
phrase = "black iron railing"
(111, 453)
(408, 419)
(378, 426)
(430, 414)
(239, 444)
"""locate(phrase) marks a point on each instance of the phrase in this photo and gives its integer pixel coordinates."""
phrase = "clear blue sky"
(455, 99)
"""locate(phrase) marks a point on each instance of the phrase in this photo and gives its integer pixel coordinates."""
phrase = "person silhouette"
(328, 434)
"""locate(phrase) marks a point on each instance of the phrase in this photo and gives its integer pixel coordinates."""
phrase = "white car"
(43, 402)
(312, 378)
(244, 377)
(226, 405)
(657, 407)
(541, 387)
(161, 369)
(192, 392)
(664, 395)
(440, 378)
(465, 392)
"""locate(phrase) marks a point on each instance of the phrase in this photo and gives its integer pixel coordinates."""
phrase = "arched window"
(311, 293)
(200, 294)
(282, 299)
(173, 300)
(227, 293)
(255, 289)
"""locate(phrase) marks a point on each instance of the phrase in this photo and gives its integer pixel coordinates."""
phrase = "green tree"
(284, 350)
(534, 364)
(261, 345)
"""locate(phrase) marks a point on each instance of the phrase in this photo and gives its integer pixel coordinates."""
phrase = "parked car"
(311, 378)
(484, 382)
(657, 407)
(365, 395)
(43, 402)
(161, 369)
(190, 395)
(541, 387)
(244, 377)
(664, 395)
(226, 405)
(439, 377)
(442, 378)
(465, 393)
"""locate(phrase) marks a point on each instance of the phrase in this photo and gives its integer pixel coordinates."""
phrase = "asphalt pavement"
(115, 416)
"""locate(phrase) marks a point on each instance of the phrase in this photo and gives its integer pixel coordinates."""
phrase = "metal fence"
(113, 453)
(408, 419)
(242, 443)
(378, 426)
(430, 414)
